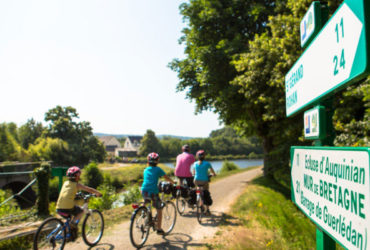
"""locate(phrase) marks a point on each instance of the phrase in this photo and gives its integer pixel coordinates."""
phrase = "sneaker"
(160, 231)
(208, 213)
(74, 233)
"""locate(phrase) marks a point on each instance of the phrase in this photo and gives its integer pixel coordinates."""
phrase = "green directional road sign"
(336, 57)
(331, 186)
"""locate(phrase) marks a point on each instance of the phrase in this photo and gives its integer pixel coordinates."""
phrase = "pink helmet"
(153, 158)
(73, 172)
(201, 154)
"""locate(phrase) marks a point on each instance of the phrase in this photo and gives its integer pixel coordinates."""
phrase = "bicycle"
(53, 232)
(200, 201)
(142, 220)
(182, 196)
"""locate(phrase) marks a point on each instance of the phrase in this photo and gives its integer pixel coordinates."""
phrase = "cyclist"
(66, 200)
(149, 189)
(200, 171)
(183, 165)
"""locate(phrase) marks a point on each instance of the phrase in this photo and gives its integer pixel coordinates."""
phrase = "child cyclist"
(200, 171)
(66, 200)
(149, 189)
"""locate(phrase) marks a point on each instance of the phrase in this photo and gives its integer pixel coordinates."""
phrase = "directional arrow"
(331, 61)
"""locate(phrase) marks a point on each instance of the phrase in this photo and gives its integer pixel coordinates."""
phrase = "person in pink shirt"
(183, 165)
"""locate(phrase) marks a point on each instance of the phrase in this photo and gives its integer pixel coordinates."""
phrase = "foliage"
(106, 200)
(132, 194)
(149, 143)
(29, 132)
(43, 174)
(54, 189)
(21, 243)
(83, 147)
(10, 207)
(92, 176)
(228, 166)
(49, 149)
(266, 208)
(10, 150)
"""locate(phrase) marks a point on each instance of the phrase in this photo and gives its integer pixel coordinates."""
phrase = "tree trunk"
(268, 161)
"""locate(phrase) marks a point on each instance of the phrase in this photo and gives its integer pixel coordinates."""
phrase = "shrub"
(106, 200)
(92, 176)
(228, 166)
(10, 207)
(53, 189)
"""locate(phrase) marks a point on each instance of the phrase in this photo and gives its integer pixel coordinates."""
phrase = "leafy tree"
(29, 132)
(218, 31)
(82, 145)
(49, 149)
(149, 143)
(92, 176)
(10, 150)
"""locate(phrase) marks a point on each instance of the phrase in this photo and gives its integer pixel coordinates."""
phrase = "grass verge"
(264, 217)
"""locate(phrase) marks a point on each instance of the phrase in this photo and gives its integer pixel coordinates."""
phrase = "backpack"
(193, 197)
(207, 198)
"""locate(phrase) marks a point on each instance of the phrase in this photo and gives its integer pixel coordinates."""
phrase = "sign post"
(331, 184)
(337, 57)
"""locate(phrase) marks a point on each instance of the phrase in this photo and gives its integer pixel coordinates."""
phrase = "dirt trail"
(187, 232)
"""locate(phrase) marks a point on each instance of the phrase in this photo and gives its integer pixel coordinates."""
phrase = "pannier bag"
(192, 197)
(207, 198)
(184, 192)
(165, 187)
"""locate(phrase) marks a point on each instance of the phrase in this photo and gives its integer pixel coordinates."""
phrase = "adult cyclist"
(183, 165)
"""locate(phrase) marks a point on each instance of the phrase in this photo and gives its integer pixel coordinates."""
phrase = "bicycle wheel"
(51, 234)
(93, 227)
(168, 217)
(180, 204)
(200, 210)
(139, 227)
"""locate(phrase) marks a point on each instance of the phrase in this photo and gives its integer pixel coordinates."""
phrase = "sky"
(108, 59)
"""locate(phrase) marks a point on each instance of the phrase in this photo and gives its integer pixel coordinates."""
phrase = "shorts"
(189, 181)
(205, 184)
(72, 211)
(154, 198)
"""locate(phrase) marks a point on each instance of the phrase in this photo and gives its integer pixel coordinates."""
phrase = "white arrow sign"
(331, 186)
(327, 62)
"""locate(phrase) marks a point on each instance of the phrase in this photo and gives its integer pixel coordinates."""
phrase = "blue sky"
(107, 59)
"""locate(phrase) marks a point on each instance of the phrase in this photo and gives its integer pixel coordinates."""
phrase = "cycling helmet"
(73, 172)
(153, 158)
(201, 154)
(186, 148)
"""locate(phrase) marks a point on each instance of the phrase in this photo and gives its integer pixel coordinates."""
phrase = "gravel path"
(187, 232)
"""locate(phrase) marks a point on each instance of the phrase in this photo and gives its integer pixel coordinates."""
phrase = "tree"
(149, 143)
(218, 31)
(29, 132)
(83, 147)
(49, 149)
(10, 150)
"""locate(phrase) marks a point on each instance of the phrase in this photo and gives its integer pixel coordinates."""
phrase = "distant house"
(111, 144)
(130, 147)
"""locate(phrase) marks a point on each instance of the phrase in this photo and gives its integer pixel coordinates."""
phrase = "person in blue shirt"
(149, 189)
(200, 171)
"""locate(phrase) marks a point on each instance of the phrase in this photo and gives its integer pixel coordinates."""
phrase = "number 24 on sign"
(339, 30)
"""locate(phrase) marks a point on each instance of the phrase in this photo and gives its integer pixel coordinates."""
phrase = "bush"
(228, 166)
(10, 207)
(53, 189)
(106, 200)
(132, 194)
(92, 176)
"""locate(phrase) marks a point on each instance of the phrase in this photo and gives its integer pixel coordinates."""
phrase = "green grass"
(133, 173)
(268, 219)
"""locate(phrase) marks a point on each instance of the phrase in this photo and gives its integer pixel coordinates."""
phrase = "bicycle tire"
(168, 217)
(180, 204)
(55, 232)
(199, 210)
(95, 228)
(142, 216)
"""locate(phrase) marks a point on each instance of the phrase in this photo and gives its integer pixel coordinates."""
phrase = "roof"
(135, 138)
(110, 141)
